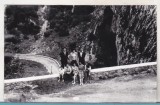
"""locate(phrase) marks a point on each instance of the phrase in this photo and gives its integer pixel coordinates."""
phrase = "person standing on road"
(87, 72)
(75, 71)
(81, 73)
(64, 57)
(81, 56)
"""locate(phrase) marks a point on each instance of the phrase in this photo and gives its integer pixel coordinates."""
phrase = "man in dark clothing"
(64, 58)
(81, 56)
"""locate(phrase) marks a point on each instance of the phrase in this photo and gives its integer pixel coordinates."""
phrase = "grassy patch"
(16, 68)
(151, 70)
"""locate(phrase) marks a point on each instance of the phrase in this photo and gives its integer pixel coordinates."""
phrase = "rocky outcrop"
(136, 30)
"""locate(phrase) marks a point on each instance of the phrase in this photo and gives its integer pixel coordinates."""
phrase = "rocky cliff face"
(116, 35)
(136, 30)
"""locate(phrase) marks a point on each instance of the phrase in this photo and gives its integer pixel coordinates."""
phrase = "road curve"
(49, 63)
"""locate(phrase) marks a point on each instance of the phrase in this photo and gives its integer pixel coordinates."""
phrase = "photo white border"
(73, 2)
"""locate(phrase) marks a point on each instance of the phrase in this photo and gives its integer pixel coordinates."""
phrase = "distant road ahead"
(49, 63)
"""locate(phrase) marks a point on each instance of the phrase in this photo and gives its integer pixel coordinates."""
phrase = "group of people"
(74, 64)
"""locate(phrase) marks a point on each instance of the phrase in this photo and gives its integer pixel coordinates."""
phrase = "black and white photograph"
(80, 53)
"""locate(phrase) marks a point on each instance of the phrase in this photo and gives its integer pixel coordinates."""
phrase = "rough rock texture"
(136, 31)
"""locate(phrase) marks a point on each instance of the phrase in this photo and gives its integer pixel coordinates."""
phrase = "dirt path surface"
(50, 64)
(121, 89)
(137, 88)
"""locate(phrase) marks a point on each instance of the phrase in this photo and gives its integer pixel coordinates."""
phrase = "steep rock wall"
(136, 30)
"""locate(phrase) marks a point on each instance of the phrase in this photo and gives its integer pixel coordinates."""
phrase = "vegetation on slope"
(117, 35)
(16, 68)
